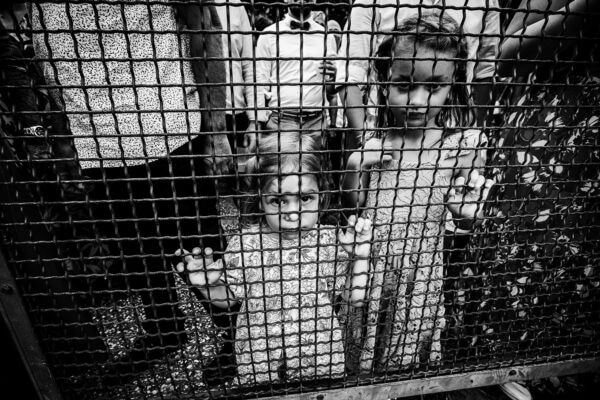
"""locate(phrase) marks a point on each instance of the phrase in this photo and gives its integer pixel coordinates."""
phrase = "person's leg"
(160, 219)
(236, 127)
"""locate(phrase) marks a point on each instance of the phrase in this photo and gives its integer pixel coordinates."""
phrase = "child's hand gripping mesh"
(199, 269)
(466, 199)
(356, 240)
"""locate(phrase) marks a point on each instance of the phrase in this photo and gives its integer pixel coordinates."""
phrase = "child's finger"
(181, 252)
(481, 181)
(358, 228)
(208, 256)
(473, 178)
(352, 220)
(458, 187)
(477, 184)
(486, 188)
(459, 182)
(451, 194)
(196, 252)
(194, 266)
(180, 267)
(365, 228)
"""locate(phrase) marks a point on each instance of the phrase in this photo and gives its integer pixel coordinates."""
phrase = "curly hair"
(278, 156)
(437, 31)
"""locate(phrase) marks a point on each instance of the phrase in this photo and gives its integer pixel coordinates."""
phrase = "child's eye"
(435, 87)
(307, 198)
(402, 86)
(274, 201)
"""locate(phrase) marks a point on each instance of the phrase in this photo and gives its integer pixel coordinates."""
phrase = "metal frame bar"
(20, 328)
(446, 383)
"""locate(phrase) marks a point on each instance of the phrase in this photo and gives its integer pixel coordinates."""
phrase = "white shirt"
(377, 22)
(119, 124)
(285, 58)
(239, 68)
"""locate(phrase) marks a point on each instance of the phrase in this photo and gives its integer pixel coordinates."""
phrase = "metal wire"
(139, 103)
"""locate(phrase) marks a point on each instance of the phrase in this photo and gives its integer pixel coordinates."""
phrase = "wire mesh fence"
(223, 199)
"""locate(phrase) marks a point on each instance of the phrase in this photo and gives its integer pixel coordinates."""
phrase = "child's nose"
(293, 211)
(419, 96)
(293, 216)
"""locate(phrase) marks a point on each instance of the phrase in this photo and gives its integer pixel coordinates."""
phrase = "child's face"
(417, 104)
(292, 206)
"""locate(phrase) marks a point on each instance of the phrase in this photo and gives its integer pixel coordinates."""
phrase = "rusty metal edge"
(445, 383)
(19, 326)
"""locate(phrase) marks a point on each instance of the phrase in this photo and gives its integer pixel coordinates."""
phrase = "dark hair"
(278, 156)
(437, 31)
(262, 21)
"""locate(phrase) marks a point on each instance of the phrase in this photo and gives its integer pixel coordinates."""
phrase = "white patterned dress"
(406, 203)
(287, 328)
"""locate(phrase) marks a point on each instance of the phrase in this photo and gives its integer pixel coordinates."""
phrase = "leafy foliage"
(537, 254)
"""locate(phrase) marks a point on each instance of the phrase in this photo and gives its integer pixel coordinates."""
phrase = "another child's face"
(419, 87)
(292, 206)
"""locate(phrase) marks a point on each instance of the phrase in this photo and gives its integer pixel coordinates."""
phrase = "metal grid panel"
(134, 98)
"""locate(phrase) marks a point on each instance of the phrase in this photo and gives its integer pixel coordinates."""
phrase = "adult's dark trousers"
(146, 212)
(236, 128)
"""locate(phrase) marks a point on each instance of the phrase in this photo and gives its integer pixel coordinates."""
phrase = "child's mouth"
(415, 116)
(294, 231)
